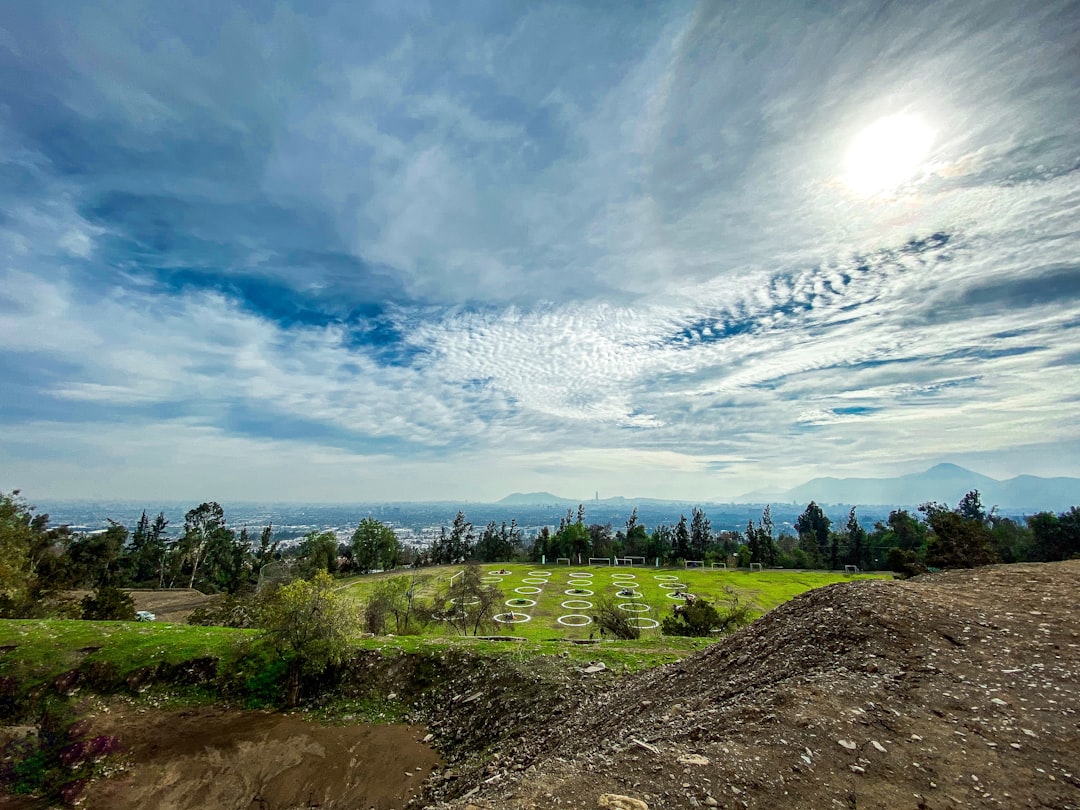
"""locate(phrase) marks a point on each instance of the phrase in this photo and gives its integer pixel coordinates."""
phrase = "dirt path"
(213, 759)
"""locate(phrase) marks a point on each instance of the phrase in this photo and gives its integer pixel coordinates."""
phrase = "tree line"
(38, 560)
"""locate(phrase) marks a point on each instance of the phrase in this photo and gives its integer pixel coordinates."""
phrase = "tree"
(700, 534)
(374, 545)
(856, 542)
(145, 555)
(461, 539)
(319, 552)
(813, 528)
(497, 543)
(636, 542)
(393, 597)
(680, 543)
(31, 564)
(467, 604)
(1055, 537)
(203, 525)
(957, 540)
(307, 624)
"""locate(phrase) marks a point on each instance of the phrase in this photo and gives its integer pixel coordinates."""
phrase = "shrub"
(610, 619)
(109, 602)
(906, 563)
(235, 611)
(699, 617)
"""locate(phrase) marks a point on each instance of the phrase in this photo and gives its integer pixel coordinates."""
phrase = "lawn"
(544, 602)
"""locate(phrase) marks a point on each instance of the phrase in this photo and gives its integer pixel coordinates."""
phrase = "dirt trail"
(216, 759)
(956, 690)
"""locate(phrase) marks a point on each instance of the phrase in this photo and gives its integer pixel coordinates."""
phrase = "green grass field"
(557, 602)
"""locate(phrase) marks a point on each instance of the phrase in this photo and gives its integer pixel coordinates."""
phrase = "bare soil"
(959, 689)
(168, 604)
(212, 759)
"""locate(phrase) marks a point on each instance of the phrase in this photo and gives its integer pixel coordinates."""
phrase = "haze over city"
(418, 251)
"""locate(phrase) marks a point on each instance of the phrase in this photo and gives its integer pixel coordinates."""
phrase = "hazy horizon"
(448, 251)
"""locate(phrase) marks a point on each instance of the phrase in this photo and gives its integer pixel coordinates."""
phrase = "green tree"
(375, 546)
(700, 534)
(1055, 537)
(319, 552)
(958, 539)
(96, 557)
(467, 604)
(813, 528)
(856, 542)
(680, 541)
(497, 543)
(307, 624)
(461, 540)
(204, 527)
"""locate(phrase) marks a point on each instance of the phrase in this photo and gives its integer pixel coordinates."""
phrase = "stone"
(693, 759)
(848, 744)
(616, 801)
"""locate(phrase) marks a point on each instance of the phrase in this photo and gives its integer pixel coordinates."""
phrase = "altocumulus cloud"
(405, 250)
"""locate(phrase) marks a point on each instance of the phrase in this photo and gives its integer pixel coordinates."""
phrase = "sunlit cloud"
(451, 251)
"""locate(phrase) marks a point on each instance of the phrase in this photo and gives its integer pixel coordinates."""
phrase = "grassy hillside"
(539, 596)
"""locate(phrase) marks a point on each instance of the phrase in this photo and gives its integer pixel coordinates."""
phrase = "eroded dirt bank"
(216, 759)
(956, 690)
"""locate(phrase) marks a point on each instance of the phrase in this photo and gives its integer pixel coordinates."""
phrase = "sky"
(374, 251)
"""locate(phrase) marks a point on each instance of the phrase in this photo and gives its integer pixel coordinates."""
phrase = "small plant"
(60, 759)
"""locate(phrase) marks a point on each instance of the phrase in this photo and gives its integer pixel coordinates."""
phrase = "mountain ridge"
(944, 482)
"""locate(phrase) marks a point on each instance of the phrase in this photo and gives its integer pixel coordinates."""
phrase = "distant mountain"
(945, 483)
(531, 498)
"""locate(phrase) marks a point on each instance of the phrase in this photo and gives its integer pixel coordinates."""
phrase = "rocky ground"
(958, 689)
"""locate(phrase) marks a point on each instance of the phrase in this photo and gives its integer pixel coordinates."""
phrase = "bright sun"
(886, 154)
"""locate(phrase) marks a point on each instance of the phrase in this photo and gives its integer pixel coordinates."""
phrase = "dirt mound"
(213, 758)
(955, 690)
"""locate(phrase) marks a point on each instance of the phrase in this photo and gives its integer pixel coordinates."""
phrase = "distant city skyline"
(449, 251)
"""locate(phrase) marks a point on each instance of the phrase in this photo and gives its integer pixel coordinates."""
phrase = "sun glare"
(886, 154)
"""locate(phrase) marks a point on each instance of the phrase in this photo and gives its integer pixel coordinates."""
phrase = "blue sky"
(392, 250)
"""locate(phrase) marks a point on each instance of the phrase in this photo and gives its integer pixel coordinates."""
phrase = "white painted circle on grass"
(465, 600)
(578, 592)
(500, 572)
(665, 577)
(676, 595)
(516, 603)
(539, 573)
(577, 604)
(628, 593)
(643, 623)
(528, 589)
(580, 574)
(534, 581)
(563, 620)
(624, 576)
(586, 582)
(673, 586)
(511, 618)
(490, 580)
(632, 607)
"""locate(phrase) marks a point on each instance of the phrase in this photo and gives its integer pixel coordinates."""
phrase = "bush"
(699, 617)
(903, 562)
(235, 611)
(611, 620)
(109, 603)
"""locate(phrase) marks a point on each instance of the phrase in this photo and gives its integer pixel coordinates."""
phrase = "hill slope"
(956, 690)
